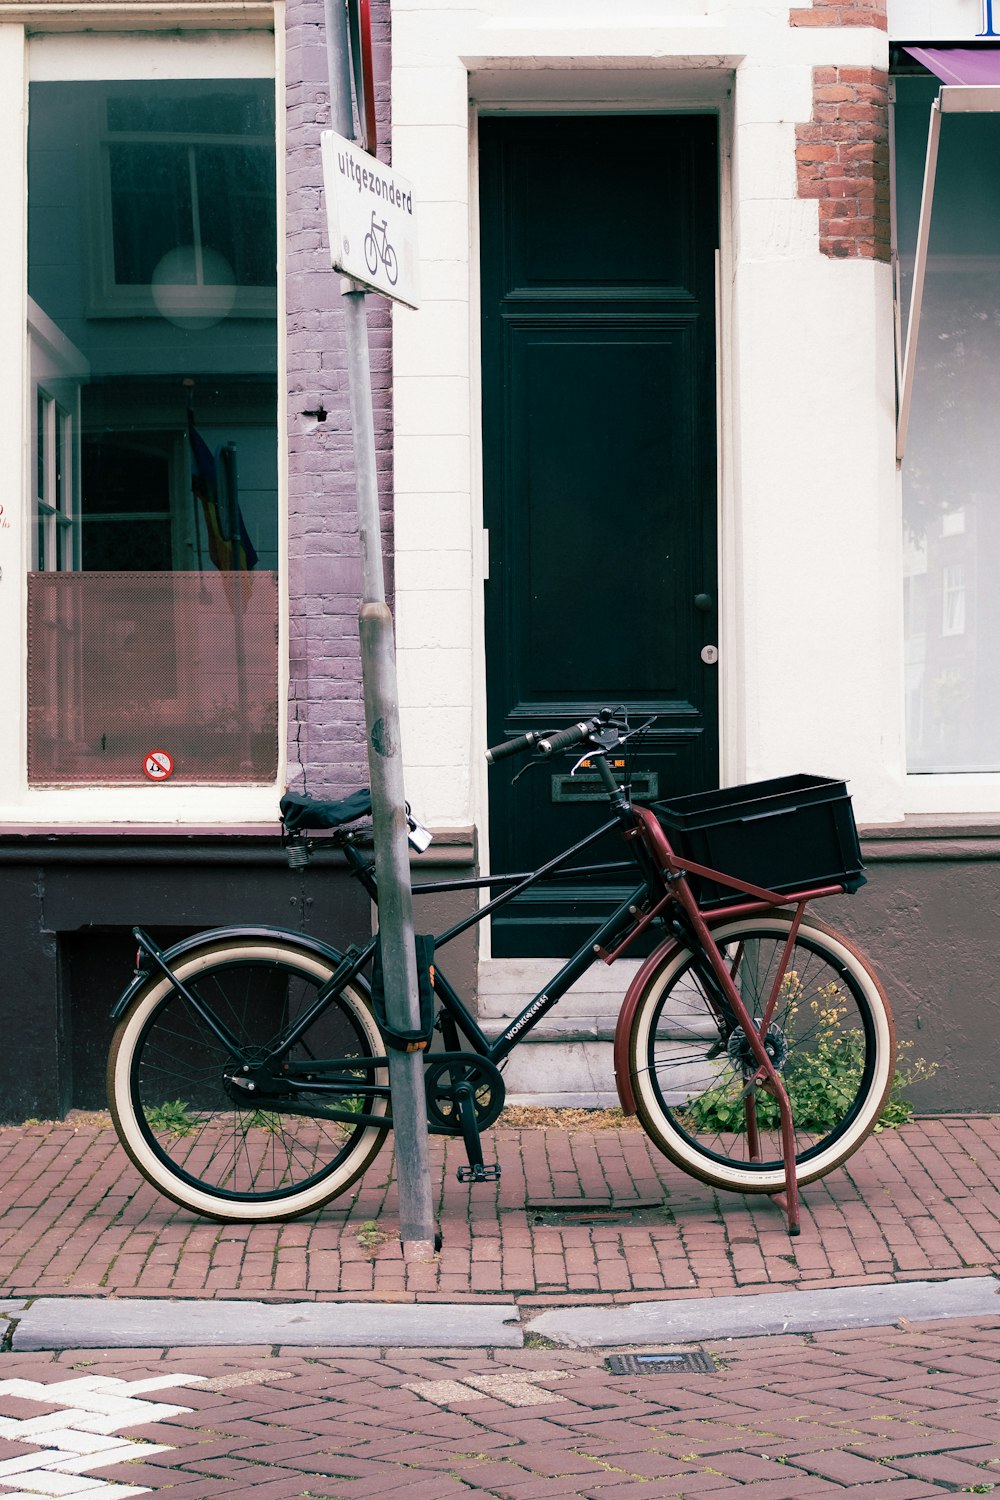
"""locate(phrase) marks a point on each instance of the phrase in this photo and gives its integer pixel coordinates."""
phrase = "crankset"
(465, 1094)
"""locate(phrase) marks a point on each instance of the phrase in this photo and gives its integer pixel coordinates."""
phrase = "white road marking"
(81, 1435)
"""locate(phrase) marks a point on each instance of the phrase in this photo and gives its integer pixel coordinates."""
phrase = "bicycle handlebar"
(575, 735)
(512, 747)
(547, 743)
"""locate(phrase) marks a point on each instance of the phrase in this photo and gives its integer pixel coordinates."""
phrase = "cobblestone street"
(578, 1214)
(902, 1412)
(581, 1219)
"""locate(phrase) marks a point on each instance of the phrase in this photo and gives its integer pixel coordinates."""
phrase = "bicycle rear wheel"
(831, 1039)
(194, 1134)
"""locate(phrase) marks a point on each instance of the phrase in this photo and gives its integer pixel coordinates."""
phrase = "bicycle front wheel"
(831, 1039)
(194, 1134)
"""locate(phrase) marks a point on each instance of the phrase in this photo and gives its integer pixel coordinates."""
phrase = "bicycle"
(248, 1073)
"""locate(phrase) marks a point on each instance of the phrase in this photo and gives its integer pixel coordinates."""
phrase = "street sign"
(372, 220)
(158, 765)
(360, 29)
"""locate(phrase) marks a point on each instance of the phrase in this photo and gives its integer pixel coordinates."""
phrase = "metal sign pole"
(378, 670)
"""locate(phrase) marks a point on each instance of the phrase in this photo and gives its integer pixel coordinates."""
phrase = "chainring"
(444, 1072)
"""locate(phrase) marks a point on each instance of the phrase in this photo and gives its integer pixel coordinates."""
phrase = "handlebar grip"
(512, 747)
(566, 737)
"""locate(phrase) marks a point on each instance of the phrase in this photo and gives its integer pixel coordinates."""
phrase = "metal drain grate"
(564, 1213)
(663, 1363)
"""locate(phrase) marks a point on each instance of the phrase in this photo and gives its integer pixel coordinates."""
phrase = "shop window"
(152, 599)
(949, 401)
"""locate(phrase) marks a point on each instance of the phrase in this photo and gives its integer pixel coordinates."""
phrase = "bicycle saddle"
(300, 813)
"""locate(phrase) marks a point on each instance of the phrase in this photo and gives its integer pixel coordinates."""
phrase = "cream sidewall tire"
(155, 1170)
(710, 1169)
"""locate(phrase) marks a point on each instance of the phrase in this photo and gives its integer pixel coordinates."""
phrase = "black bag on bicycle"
(407, 1041)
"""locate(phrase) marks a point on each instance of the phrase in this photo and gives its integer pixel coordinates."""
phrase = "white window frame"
(72, 56)
(110, 298)
(56, 368)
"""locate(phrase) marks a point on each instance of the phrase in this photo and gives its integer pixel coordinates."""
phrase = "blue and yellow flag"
(229, 544)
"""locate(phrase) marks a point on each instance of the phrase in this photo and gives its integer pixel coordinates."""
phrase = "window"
(953, 599)
(951, 480)
(55, 517)
(152, 596)
(184, 205)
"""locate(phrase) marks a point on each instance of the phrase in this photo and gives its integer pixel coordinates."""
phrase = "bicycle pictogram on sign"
(158, 765)
(377, 248)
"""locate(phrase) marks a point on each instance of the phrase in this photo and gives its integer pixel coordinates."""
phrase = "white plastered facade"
(811, 664)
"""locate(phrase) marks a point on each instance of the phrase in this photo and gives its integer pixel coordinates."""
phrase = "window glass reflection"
(951, 480)
(152, 241)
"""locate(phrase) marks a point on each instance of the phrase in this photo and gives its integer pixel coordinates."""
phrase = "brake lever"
(639, 729)
(535, 760)
(601, 741)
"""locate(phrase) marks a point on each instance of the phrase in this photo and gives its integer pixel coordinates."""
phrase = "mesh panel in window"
(121, 664)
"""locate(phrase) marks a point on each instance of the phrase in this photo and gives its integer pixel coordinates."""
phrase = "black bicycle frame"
(454, 1017)
(453, 1013)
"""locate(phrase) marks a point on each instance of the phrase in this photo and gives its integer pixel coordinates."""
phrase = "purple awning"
(962, 65)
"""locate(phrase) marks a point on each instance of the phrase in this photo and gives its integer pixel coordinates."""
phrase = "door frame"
(730, 701)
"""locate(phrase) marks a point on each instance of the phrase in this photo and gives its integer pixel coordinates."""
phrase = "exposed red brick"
(842, 157)
(816, 153)
(837, 13)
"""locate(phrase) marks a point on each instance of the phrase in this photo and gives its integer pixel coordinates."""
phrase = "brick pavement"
(904, 1412)
(917, 1203)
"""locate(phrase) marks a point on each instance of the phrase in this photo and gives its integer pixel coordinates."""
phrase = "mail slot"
(587, 786)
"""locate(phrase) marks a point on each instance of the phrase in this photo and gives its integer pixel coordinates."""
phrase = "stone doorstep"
(506, 985)
(561, 1064)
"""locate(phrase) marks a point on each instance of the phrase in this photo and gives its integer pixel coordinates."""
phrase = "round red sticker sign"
(158, 765)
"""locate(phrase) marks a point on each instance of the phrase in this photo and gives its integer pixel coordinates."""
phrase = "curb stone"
(697, 1319)
(54, 1323)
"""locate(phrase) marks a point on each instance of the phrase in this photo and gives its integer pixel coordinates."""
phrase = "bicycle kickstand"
(788, 1200)
(477, 1170)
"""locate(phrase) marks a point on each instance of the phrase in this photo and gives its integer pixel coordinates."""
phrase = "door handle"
(704, 602)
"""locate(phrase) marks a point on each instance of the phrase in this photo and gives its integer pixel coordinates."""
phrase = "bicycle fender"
(298, 940)
(650, 966)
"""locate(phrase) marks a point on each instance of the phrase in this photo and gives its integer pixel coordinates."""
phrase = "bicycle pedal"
(479, 1173)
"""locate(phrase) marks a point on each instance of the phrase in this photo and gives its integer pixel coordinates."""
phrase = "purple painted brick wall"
(326, 743)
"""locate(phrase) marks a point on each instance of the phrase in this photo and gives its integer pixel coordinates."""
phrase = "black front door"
(599, 460)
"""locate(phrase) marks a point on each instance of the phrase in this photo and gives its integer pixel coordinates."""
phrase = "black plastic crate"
(787, 834)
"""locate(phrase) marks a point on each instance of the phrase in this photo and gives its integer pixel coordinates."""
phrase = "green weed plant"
(821, 1081)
